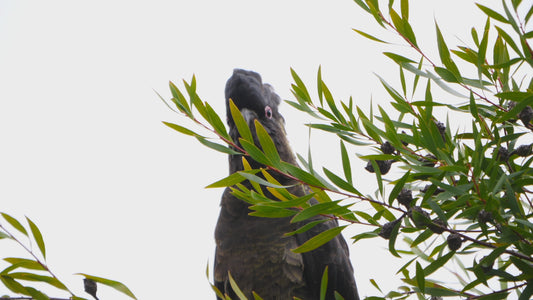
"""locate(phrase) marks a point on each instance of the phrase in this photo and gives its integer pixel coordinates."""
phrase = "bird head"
(256, 101)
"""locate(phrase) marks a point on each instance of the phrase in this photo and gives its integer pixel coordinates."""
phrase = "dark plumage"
(254, 249)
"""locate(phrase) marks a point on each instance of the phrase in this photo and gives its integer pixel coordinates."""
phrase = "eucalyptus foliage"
(444, 195)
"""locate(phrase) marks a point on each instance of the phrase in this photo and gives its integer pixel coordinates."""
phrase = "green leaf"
(236, 288)
(403, 27)
(259, 180)
(269, 148)
(420, 280)
(39, 278)
(398, 58)
(16, 224)
(37, 236)
(216, 122)
(217, 147)
(373, 5)
(446, 74)
(510, 18)
(319, 240)
(398, 187)
(515, 96)
(319, 84)
(4, 235)
(302, 175)
(346, 163)
(306, 227)
(256, 296)
(13, 285)
(445, 56)
(340, 182)
(314, 210)
(491, 13)
(483, 48)
(254, 152)
(368, 36)
(362, 5)
(527, 292)
(230, 180)
(110, 283)
(240, 122)
(179, 99)
(509, 40)
(392, 239)
(421, 238)
(181, 129)
(405, 9)
(270, 212)
(300, 84)
(24, 263)
(436, 264)
(374, 283)
(392, 92)
(324, 284)
(529, 14)
(37, 295)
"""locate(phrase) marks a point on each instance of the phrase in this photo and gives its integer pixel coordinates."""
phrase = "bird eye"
(268, 112)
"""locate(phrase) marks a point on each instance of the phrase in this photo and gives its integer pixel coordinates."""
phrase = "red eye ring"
(268, 112)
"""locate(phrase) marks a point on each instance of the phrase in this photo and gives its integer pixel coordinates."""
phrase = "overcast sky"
(115, 192)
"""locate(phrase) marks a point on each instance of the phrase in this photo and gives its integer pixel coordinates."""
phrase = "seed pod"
(90, 287)
(503, 154)
(387, 148)
(419, 216)
(526, 115)
(484, 216)
(405, 197)
(523, 150)
(437, 226)
(454, 241)
(384, 166)
(386, 230)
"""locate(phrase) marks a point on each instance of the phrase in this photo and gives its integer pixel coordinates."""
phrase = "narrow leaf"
(217, 147)
(269, 148)
(240, 122)
(340, 182)
(259, 180)
(436, 264)
(491, 13)
(319, 240)
(16, 224)
(181, 129)
(37, 236)
(420, 280)
(324, 284)
(368, 36)
(346, 163)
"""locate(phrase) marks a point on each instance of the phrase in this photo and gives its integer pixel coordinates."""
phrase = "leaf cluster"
(444, 194)
(34, 269)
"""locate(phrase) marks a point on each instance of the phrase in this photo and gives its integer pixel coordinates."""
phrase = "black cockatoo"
(254, 250)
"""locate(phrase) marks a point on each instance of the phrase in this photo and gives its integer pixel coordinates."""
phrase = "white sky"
(115, 192)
